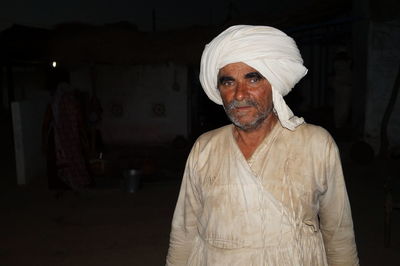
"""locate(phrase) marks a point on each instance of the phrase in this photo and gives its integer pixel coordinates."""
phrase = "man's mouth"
(246, 104)
(243, 108)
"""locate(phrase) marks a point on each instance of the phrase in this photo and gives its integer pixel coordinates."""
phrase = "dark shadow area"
(143, 107)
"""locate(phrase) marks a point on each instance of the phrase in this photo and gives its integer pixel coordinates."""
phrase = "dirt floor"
(108, 226)
(101, 227)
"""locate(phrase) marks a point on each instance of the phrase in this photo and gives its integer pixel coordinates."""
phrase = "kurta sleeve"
(335, 214)
(184, 222)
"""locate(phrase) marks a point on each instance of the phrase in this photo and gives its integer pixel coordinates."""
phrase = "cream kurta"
(286, 205)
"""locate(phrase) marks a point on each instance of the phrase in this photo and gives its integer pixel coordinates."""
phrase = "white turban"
(266, 49)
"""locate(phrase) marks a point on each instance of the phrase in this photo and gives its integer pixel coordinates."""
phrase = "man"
(269, 189)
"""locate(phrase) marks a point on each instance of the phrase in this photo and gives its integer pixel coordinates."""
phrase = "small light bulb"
(54, 64)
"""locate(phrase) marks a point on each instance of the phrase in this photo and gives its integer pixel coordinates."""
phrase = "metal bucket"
(132, 180)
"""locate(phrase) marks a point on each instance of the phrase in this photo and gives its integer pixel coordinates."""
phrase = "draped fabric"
(286, 205)
(68, 127)
(266, 49)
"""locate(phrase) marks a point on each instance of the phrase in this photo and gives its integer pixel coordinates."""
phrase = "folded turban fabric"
(266, 49)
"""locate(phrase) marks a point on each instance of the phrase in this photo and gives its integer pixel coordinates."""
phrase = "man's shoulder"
(212, 139)
(307, 139)
(307, 128)
(311, 133)
(214, 134)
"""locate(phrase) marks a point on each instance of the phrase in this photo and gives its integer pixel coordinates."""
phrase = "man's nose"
(241, 91)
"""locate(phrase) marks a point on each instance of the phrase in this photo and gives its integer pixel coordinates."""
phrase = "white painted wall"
(129, 95)
(27, 125)
(133, 89)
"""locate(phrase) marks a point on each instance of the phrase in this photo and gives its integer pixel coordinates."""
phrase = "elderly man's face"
(246, 95)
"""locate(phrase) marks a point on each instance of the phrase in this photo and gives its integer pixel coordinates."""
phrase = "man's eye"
(254, 77)
(227, 83)
(254, 80)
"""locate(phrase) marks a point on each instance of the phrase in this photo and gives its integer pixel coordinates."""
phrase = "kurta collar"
(265, 144)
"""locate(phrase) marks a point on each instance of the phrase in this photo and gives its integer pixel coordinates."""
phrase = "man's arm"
(335, 214)
(184, 222)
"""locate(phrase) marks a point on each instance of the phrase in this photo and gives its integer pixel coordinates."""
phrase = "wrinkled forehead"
(237, 67)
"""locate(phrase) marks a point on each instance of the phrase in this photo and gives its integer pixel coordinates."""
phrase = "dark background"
(107, 225)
